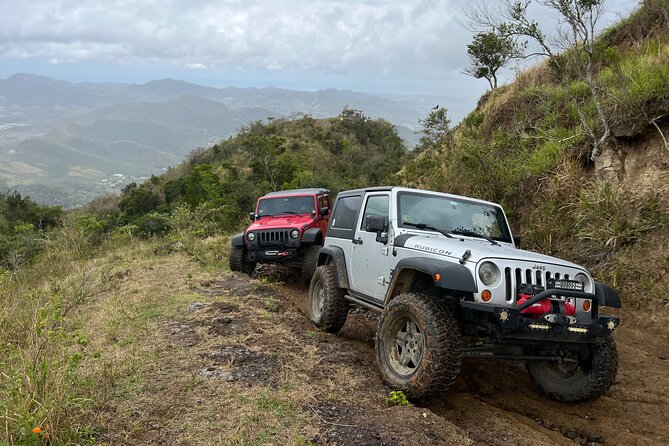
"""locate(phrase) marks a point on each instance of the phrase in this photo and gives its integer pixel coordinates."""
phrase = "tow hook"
(560, 319)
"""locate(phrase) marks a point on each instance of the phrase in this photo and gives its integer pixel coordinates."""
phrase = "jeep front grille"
(514, 277)
(275, 237)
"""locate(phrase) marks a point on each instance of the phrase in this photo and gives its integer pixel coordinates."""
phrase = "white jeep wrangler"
(450, 282)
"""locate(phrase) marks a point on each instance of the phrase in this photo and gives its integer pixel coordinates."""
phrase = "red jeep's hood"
(281, 221)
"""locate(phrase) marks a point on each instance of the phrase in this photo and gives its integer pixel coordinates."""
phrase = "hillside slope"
(524, 146)
(340, 153)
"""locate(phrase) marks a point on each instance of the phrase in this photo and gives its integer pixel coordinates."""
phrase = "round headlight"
(585, 281)
(294, 233)
(250, 236)
(488, 273)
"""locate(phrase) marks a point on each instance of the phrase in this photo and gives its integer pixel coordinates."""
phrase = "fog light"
(586, 305)
(486, 295)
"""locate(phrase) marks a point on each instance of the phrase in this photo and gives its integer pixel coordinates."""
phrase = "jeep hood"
(281, 221)
(480, 249)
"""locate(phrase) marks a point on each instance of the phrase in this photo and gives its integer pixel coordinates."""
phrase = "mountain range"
(65, 143)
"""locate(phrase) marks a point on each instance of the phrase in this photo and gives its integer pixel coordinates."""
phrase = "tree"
(434, 128)
(570, 51)
(490, 51)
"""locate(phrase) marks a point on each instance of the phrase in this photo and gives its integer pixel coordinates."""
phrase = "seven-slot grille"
(273, 237)
(514, 277)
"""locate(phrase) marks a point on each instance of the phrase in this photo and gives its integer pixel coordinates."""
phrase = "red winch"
(543, 306)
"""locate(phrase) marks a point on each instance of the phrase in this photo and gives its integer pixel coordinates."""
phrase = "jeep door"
(369, 258)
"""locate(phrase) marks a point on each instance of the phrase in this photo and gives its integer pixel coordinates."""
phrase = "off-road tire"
(309, 262)
(327, 307)
(592, 378)
(441, 352)
(239, 263)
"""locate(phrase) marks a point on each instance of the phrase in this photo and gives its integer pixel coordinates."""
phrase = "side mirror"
(252, 216)
(375, 223)
(517, 241)
(323, 211)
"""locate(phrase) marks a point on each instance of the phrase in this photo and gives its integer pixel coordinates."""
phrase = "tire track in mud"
(496, 403)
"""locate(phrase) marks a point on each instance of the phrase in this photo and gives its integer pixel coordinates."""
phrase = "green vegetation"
(397, 398)
(24, 229)
(490, 51)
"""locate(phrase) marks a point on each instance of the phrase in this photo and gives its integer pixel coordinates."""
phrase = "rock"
(170, 247)
(196, 306)
(597, 437)
(571, 435)
(223, 320)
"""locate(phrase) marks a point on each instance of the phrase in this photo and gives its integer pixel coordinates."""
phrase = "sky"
(377, 46)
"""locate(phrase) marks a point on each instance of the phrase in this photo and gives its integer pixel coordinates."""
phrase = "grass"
(71, 336)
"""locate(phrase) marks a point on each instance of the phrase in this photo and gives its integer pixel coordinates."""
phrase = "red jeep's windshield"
(286, 205)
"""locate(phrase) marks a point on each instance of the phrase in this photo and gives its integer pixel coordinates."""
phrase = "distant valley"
(65, 143)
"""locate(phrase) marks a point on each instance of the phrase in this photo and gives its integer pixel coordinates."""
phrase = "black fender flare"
(312, 235)
(452, 276)
(607, 296)
(336, 256)
(237, 240)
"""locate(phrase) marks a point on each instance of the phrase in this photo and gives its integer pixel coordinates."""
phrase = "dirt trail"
(496, 403)
(239, 363)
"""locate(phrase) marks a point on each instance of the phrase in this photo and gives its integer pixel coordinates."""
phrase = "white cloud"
(195, 66)
(417, 43)
(344, 36)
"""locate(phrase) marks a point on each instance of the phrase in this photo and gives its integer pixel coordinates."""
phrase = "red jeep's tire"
(309, 262)
(588, 379)
(327, 307)
(239, 263)
(418, 345)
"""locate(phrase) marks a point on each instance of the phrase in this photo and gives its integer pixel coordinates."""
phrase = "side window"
(376, 205)
(346, 212)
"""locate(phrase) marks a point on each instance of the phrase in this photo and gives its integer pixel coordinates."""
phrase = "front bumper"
(273, 254)
(508, 323)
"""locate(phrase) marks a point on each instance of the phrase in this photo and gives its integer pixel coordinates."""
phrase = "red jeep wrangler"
(288, 227)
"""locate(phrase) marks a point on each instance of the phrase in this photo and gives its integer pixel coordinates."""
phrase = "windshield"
(452, 214)
(286, 205)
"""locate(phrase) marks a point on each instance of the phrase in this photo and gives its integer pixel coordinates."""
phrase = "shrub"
(152, 223)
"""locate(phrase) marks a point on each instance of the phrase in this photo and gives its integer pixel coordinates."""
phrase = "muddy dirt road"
(239, 363)
(496, 403)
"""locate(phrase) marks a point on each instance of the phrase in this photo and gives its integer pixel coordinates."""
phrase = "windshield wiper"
(469, 233)
(428, 227)
(287, 212)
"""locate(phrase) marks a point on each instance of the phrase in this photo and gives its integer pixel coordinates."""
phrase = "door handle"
(357, 241)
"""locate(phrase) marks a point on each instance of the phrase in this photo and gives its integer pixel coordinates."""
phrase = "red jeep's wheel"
(418, 345)
(309, 262)
(239, 263)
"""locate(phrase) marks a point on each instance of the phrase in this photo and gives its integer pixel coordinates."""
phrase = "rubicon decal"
(433, 249)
